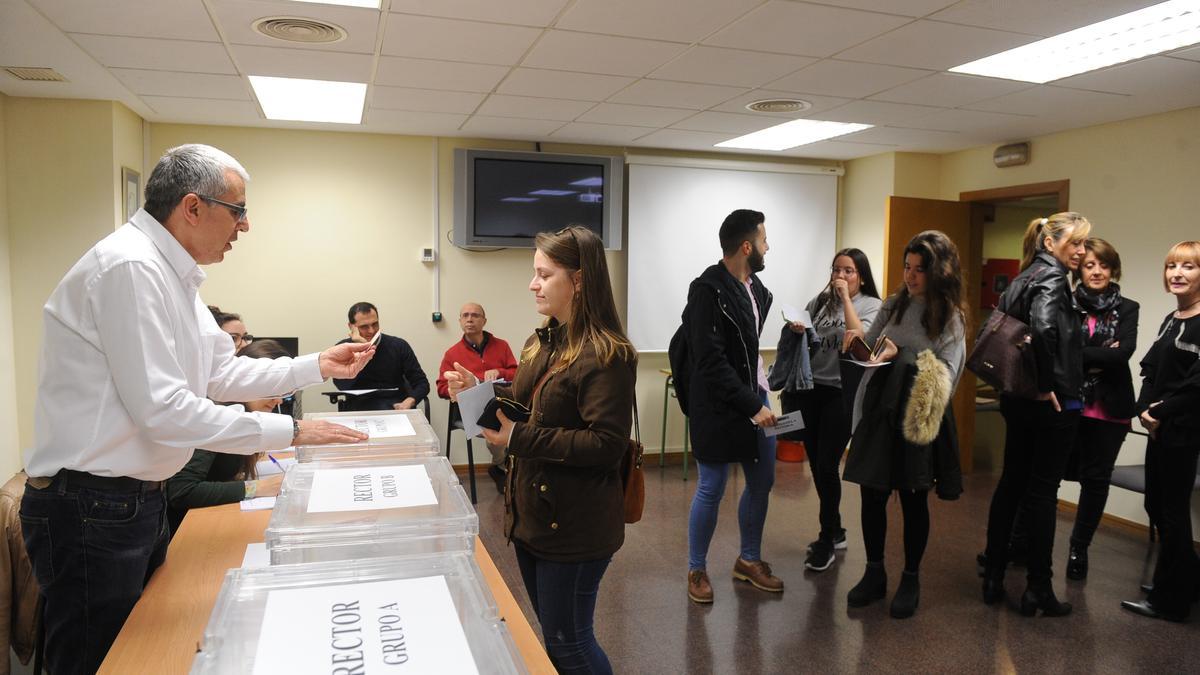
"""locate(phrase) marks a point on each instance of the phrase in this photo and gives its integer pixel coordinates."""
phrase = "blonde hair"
(1184, 251)
(594, 319)
(1056, 227)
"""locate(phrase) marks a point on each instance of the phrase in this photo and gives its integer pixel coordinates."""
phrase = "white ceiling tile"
(1044, 99)
(913, 139)
(450, 40)
(819, 103)
(934, 45)
(417, 123)
(237, 19)
(973, 122)
(424, 100)
(635, 115)
(500, 105)
(684, 140)
(205, 110)
(837, 150)
(800, 28)
(523, 12)
(724, 122)
(153, 54)
(717, 65)
(188, 85)
(509, 127)
(878, 112)
(562, 84)
(303, 63)
(1037, 17)
(584, 132)
(1190, 53)
(678, 20)
(605, 54)
(397, 71)
(675, 94)
(950, 90)
(845, 78)
(1157, 76)
(164, 19)
(902, 7)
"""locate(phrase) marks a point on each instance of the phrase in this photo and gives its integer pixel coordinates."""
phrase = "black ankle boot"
(1043, 598)
(1077, 563)
(993, 586)
(904, 603)
(872, 586)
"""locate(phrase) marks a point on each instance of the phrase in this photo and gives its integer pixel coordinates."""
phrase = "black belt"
(109, 483)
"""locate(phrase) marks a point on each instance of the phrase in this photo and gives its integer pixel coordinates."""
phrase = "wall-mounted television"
(504, 198)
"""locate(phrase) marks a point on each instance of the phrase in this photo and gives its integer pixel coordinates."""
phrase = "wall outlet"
(427, 255)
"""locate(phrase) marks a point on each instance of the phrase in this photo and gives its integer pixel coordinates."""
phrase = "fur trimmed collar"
(927, 400)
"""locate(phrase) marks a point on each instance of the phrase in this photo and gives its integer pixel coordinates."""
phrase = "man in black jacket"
(721, 384)
(394, 367)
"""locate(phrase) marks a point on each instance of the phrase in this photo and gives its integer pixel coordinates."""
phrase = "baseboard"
(1109, 519)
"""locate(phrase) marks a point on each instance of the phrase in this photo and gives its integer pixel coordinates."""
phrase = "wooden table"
(163, 633)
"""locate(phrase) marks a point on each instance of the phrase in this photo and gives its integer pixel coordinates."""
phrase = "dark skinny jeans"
(826, 431)
(1096, 447)
(563, 596)
(1037, 443)
(1170, 478)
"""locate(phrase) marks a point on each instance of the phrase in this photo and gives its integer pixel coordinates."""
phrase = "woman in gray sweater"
(924, 316)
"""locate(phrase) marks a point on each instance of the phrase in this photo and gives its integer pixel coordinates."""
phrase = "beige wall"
(1002, 237)
(126, 152)
(9, 435)
(868, 183)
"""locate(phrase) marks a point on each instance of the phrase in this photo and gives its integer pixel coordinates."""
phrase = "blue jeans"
(564, 598)
(752, 507)
(92, 552)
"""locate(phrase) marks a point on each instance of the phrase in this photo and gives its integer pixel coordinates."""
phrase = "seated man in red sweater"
(485, 355)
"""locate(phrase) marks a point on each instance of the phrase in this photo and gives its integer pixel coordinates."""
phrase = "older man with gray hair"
(131, 357)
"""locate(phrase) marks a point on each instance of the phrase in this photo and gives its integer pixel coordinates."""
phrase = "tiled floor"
(646, 624)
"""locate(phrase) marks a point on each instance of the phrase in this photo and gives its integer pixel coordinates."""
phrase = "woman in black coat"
(1039, 432)
(1110, 338)
(1170, 411)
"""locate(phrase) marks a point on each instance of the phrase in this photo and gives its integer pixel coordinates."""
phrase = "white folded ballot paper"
(793, 315)
(377, 426)
(792, 421)
(471, 403)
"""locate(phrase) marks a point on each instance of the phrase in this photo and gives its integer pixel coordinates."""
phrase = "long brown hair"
(594, 317)
(1056, 227)
(943, 283)
(259, 349)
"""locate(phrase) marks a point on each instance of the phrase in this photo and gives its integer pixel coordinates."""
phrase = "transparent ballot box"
(394, 433)
(348, 510)
(418, 614)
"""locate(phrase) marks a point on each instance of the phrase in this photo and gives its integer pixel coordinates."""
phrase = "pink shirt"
(762, 373)
(1094, 409)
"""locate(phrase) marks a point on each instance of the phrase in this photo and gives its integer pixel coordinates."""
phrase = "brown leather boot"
(699, 589)
(758, 573)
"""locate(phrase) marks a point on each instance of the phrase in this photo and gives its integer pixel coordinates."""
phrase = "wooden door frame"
(1057, 188)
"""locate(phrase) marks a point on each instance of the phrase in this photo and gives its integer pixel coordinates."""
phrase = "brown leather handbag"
(632, 478)
(1003, 356)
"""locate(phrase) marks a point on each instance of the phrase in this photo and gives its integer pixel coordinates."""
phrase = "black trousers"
(915, 506)
(1091, 464)
(825, 434)
(1037, 443)
(1170, 476)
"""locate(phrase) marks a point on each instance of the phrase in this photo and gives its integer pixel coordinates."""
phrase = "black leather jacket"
(1041, 297)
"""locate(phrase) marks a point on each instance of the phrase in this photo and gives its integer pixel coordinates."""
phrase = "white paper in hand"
(471, 403)
(792, 421)
(793, 315)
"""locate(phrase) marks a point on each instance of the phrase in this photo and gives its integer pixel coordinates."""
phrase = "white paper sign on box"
(377, 426)
(370, 488)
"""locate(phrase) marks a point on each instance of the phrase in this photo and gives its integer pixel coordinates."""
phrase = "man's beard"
(757, 261)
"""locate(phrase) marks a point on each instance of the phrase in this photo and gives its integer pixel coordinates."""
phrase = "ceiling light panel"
(369, 4)
(286, 98)
(792, 134)
(1159, 28)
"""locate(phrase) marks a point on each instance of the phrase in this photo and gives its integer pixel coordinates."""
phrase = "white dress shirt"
(131, 357)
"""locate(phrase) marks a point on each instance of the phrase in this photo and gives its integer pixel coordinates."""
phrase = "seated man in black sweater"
(394, 367)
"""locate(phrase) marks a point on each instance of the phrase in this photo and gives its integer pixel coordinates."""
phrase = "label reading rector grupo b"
(370, 488)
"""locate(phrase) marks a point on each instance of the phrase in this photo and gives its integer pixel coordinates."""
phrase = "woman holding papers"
(904, 438)
(1039, 432)
(564, 501)
(850, 301)
(215, 478)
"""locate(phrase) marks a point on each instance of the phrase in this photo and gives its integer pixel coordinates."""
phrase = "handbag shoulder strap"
(637, 430)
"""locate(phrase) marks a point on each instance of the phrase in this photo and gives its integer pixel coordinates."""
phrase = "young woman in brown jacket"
(563, 505)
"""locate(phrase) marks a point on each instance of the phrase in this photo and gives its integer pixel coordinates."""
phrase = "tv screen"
(505, 198)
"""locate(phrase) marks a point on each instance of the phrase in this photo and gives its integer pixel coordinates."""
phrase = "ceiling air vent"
(36, 74)
(299, 29)
(779, 105)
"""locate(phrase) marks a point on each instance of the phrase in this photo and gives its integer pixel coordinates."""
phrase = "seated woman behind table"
(215, 478)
